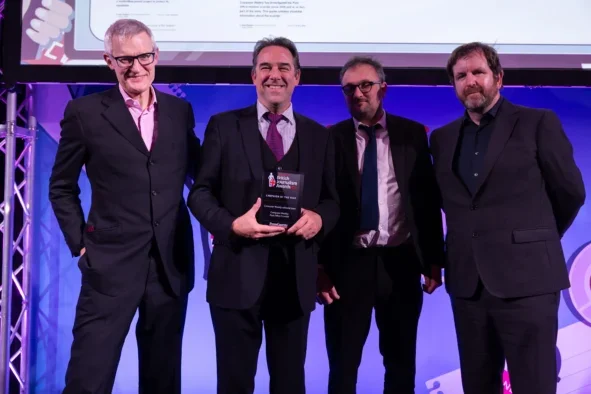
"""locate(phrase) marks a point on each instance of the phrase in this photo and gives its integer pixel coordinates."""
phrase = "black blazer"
(416, 181)
(508, 233)
(137, 195)
(227, 186)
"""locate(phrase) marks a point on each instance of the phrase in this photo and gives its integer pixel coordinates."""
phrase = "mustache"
(473, 89)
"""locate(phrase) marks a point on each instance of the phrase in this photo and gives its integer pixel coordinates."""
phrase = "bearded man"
(510, 190)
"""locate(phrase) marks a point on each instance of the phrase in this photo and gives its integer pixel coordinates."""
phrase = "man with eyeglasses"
(389, 233)
(136, 247)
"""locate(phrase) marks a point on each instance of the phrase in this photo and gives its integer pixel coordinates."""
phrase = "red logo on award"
(272, 181)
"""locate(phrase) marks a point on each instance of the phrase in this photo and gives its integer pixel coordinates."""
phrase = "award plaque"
(281, 198)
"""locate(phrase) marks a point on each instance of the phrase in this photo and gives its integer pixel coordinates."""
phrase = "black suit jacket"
(228, 184)
(416, 182)
(136, 194)
(508, 233)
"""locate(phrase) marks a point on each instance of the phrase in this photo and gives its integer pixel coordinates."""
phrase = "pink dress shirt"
(392, 230)
(144, 119)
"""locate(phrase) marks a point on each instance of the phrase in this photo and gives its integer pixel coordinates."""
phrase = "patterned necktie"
(274, 139)
(370, 213)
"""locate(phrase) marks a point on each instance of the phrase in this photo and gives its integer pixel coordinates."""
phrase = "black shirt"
(472, 146)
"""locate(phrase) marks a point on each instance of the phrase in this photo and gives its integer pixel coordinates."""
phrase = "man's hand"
(432, 281)
(52, 19)
(308, 225)
(327, 293)
(248, 227)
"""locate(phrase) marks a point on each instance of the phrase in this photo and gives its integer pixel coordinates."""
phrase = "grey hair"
(126, 28)
(364, 60)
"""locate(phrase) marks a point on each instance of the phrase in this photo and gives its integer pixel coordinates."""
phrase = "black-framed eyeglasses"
(364, 87)
(127, 61)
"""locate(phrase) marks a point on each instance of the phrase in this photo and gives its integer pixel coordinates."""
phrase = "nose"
(136, 66)
(357, 93)
(274, 73)
(470, 79)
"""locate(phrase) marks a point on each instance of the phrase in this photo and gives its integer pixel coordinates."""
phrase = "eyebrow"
(139, 54)
(280, 64)
(358, 83)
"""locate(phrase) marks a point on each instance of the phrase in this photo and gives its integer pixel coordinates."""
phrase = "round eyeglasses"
(364, 87)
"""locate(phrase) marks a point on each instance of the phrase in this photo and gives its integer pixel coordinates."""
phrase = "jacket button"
(473, 207)
(474, 234)
(156, 224)
(154, 193)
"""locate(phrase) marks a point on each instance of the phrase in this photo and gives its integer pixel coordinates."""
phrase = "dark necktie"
(370, 213)
(274, 139)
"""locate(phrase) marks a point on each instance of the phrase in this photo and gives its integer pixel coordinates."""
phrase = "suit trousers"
(521, 331)
(387, 280)
(238, 335)
(102, 323)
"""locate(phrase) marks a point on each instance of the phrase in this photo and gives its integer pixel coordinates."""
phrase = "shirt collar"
(381, 122)
(262, 110)
(136, 104)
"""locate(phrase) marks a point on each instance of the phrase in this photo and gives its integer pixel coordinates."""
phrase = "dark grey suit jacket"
(137, 195)
(228, 184)
(508, 233)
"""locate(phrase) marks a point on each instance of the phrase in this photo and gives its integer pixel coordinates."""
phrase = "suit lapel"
(164, 123)
(305, 144)
(350, 157)
(118, 115)
(502, 130)
(249, 131)
(450, 149)
(398, 151)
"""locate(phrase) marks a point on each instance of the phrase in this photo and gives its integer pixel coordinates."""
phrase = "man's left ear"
(499, 79)
(383, 88)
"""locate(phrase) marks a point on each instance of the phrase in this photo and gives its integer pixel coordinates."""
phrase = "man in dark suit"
(263, 275)
(510, 190)
(136, 248)
(389, 232)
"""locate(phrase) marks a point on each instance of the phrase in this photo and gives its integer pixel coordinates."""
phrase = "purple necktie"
(274, 139)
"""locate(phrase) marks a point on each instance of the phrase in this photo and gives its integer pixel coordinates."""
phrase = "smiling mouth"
(274, 87)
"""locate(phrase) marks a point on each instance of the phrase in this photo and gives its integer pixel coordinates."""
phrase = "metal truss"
(16, 251)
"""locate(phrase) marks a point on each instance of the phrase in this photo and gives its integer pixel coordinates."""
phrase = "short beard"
(481, 106)
(478, 108)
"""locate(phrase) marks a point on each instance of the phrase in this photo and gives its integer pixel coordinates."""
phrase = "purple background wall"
(57, 279)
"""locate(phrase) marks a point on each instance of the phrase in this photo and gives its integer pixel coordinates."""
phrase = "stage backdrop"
(57, 278)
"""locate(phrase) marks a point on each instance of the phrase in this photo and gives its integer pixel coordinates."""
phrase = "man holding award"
(266, 225)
